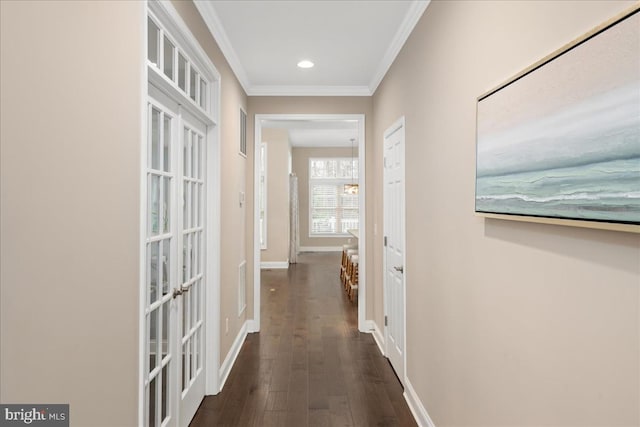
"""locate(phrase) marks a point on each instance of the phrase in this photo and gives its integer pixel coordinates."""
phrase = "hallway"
(309, 365)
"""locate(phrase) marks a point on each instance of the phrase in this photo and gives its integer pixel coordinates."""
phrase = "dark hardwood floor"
(309, 365)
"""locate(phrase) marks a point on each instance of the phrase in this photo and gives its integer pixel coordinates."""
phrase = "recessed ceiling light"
(305, 64)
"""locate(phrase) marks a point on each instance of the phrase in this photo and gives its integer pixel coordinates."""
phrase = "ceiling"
(352, 43)
(318, 133)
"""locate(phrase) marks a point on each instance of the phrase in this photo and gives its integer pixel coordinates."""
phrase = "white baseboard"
(225, 369)
(378, 336)
(321, 249)
(274, 264)
(252, 326)
(415, 405)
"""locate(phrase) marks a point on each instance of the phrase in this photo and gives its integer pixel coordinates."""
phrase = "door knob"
(400, 269)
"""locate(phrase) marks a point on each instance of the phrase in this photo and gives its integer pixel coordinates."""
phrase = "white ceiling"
(318, 133)
(352, 43)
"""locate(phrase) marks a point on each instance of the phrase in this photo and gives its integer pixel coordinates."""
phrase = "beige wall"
(278, 152)
(301, 168)
(233, 172)
(70, 174)
(71, 103)
(315, 105)
(507, 323)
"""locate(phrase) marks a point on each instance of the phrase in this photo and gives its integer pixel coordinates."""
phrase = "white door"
(191, 277)
(174, 270)
(394, 256)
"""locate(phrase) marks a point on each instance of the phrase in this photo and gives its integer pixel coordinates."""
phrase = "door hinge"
(385, 240)
(386, 321)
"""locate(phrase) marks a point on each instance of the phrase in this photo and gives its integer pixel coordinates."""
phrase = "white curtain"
(294, 238)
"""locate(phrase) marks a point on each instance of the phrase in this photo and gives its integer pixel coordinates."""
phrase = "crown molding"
(216, 28)
(214, 25)
(308, 91)
(409, 22)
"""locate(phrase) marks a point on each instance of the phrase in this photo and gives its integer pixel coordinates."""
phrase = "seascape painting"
(563, 140)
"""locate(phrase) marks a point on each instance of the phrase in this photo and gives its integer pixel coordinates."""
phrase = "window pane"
(155, 139)
(203, 94)
(182, 72)
(152, 403)
(154, 204)
(193, 80)
(165, 390)
(154, 249)
(166, 206)
(166, 144)
(153, 340)
(169, 50)
(153, 34)
(166, 262)
(165, 328)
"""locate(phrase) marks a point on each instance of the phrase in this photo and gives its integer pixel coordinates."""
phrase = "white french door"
(192, 279)
(394, 255)
(175, 242)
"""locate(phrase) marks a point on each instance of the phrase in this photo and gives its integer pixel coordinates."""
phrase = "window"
(332, 212)
(165, 57)
(263, 196)
(243, 133)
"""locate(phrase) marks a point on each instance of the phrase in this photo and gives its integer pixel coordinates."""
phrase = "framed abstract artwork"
(560, 142)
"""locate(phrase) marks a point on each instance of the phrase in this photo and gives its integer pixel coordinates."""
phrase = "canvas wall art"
(562, 140)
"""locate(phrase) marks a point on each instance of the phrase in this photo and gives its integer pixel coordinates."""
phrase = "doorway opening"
(356, 143)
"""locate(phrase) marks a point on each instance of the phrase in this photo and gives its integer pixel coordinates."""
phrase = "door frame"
(254, 324)
(400, 123)
(180, 32)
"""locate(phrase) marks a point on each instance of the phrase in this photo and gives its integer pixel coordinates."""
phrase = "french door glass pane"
(166, 205)
(155, 139)
(154, 204)
(166, 146)
(165, 391)
(166, 263)
(165, 328)
(152, 403)
(153, 271)
(153, 340)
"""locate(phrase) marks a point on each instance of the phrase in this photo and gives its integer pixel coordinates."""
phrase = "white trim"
(142, 232)
(264, 90)
(378, 335)
(409, 22)
(252, 327)
(232, 355)
(216, 28)
(415, 405)
(362, 288)
(320, 249)
(274, 265)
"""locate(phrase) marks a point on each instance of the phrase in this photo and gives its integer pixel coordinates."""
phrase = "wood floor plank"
(309, 365)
